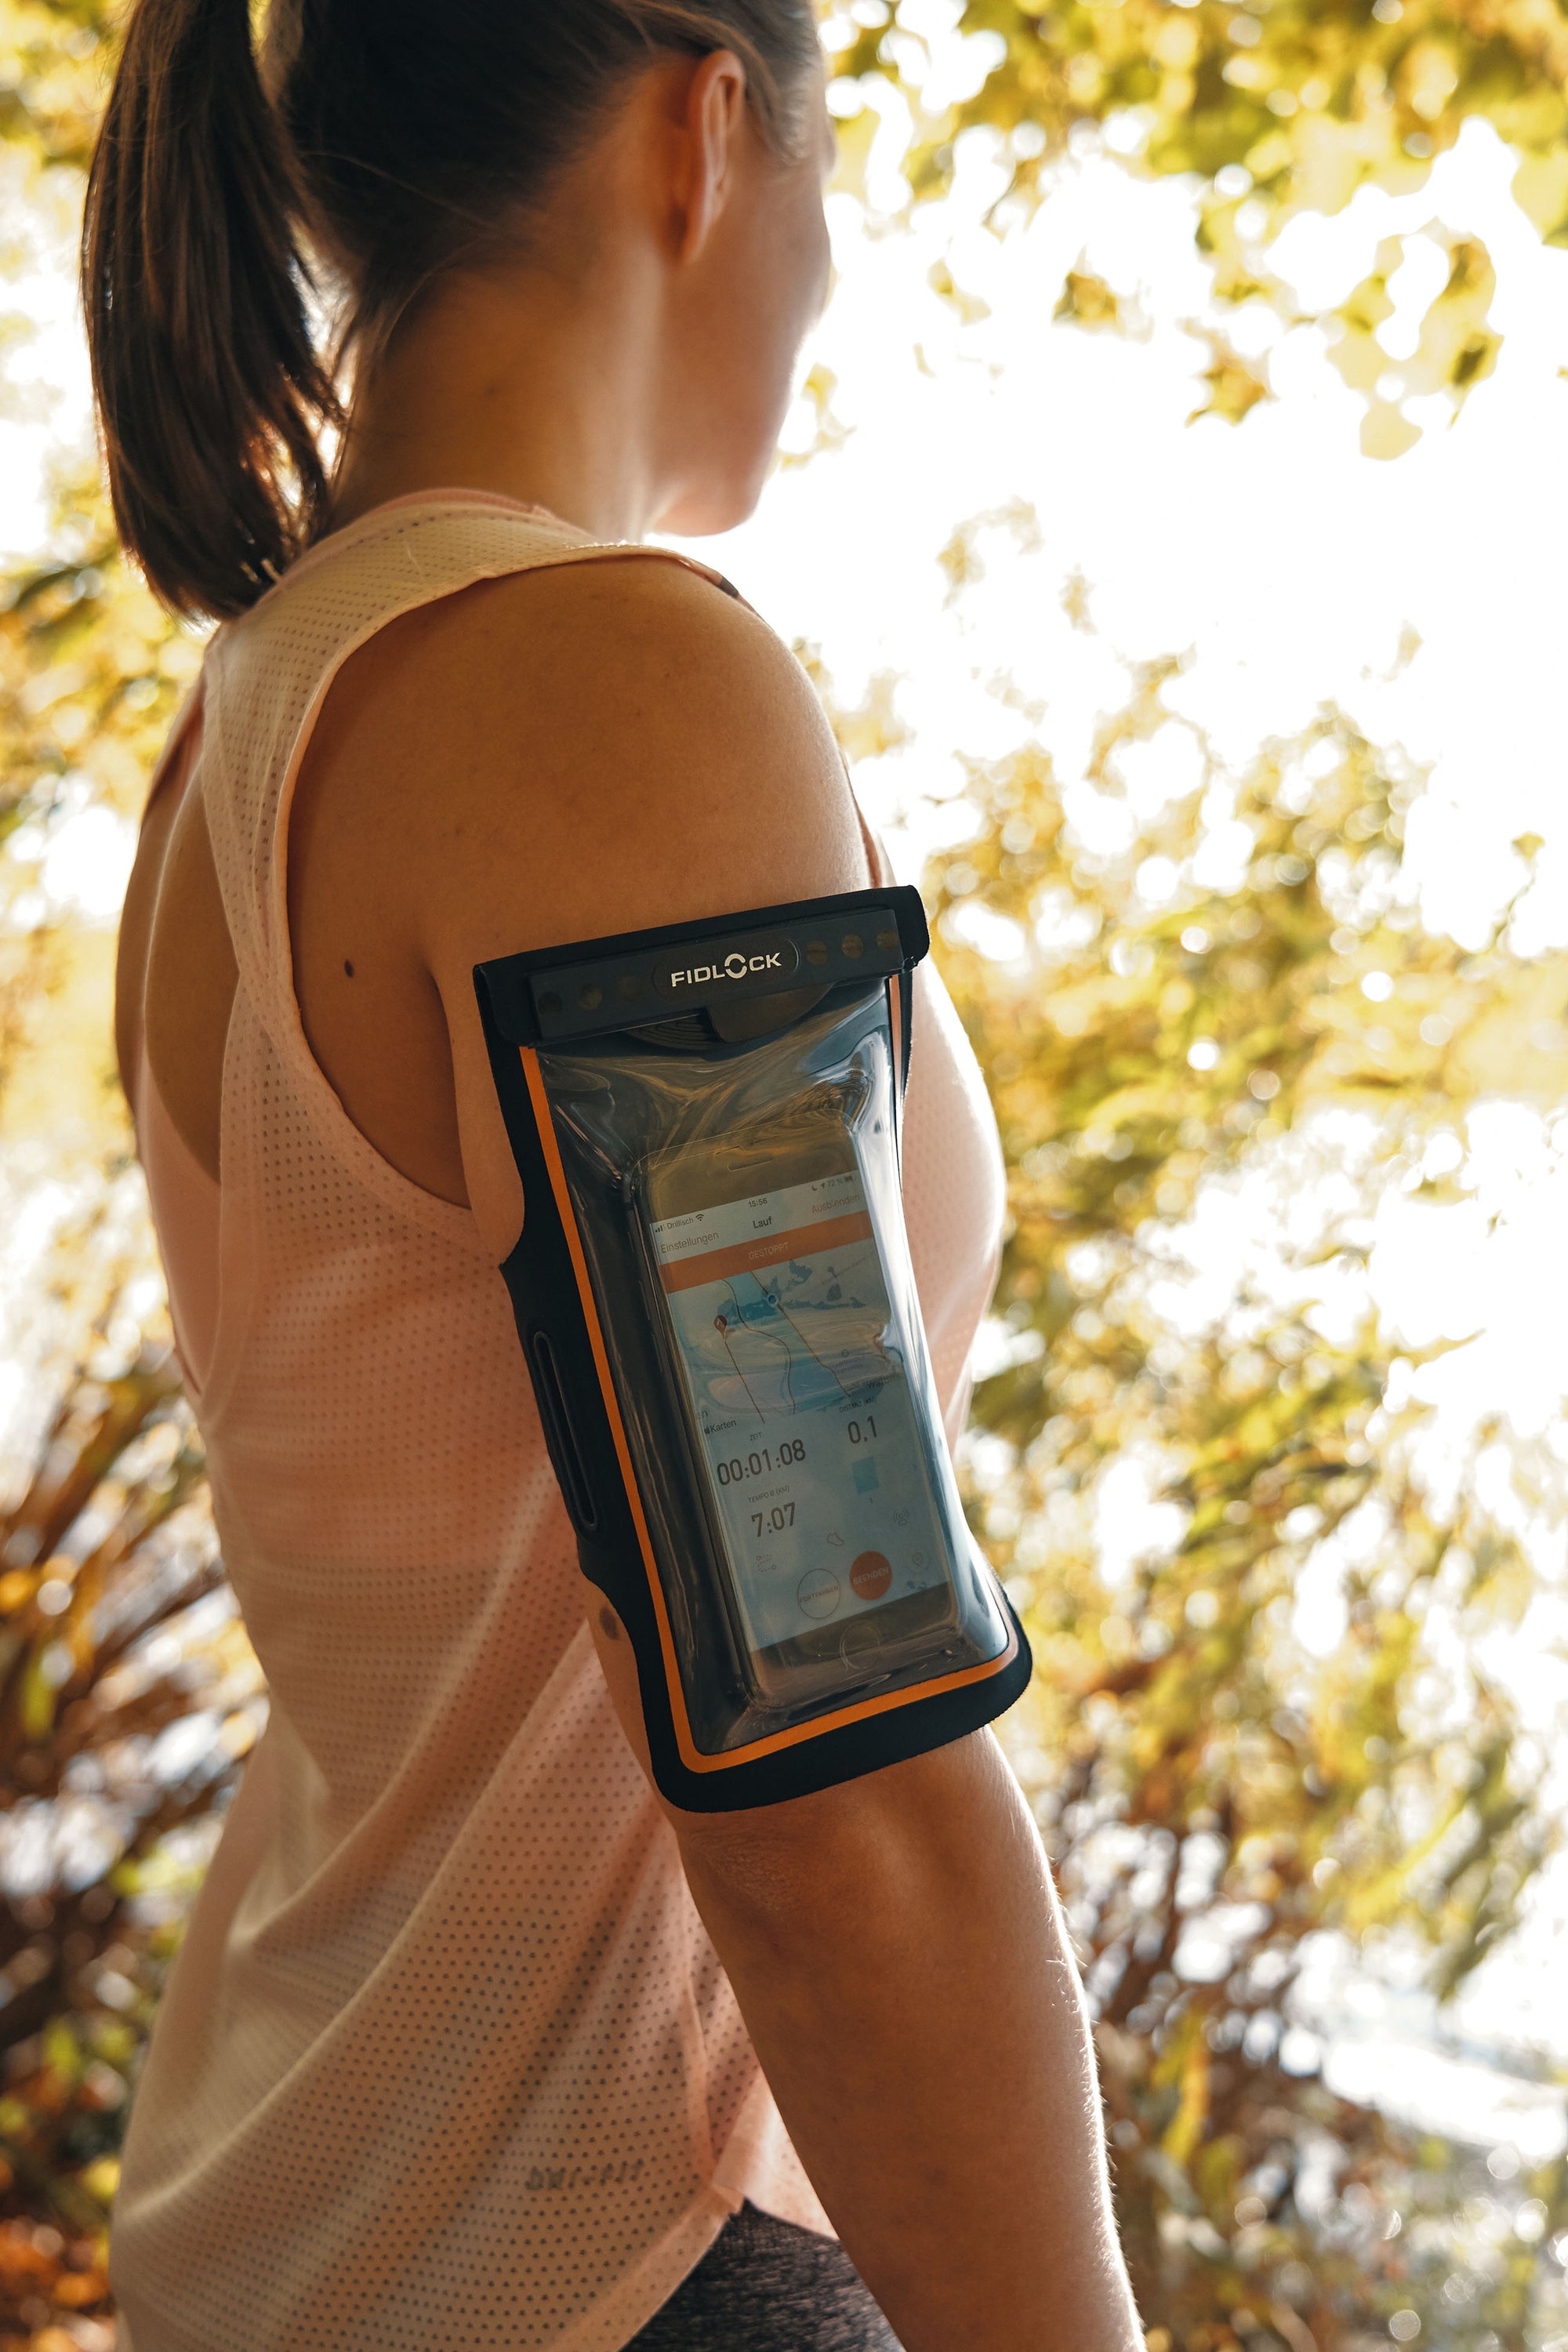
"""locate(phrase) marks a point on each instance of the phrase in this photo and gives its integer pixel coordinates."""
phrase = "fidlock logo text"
(735, 966)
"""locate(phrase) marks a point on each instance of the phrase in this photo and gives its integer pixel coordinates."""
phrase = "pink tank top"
(446, 2058)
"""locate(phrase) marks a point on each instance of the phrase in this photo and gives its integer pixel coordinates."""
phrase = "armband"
(719, 1315)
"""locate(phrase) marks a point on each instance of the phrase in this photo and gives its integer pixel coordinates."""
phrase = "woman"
(471, 2041)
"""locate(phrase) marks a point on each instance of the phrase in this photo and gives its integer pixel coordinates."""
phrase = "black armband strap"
(716, 1306)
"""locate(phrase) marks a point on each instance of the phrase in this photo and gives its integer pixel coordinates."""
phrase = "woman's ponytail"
(397, 159)
(211, 393)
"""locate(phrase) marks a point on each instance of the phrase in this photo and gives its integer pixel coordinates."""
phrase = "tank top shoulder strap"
(266, 676)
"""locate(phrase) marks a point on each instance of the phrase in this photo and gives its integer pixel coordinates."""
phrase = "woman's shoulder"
(606, 733)
(557, 754)
(590, 647)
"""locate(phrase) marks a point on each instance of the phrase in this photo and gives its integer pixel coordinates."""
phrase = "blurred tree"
(127, 1694)
(127, 1690)
(1273, 108)
(51, 78)
(1218, 1792)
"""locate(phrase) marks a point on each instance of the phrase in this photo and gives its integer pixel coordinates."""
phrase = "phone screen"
(780, 1315)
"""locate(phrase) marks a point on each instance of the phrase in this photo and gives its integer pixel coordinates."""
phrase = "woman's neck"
(521, 386)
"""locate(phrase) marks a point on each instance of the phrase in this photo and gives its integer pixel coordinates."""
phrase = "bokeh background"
(1172, 520)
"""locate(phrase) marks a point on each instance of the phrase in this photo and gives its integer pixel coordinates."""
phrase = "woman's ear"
(713, 121)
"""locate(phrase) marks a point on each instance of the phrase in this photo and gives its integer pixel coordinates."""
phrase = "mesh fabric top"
(446, 2058)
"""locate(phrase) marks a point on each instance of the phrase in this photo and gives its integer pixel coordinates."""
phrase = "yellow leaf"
(1185, 2127)
(102, 2179)
(1540, 189)
(1234, 385)
(970, 307)
(854, 137)
(1386, 431)
(1089, 300)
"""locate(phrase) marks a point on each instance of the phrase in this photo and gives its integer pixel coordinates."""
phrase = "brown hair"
(394, 143)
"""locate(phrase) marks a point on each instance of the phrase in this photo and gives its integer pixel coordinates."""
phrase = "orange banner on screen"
(768, 1249)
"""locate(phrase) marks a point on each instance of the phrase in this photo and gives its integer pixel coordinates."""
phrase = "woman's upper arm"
(810, 1858)
(626, 746)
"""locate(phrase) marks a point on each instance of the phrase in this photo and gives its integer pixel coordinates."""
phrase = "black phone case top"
(606, 1054)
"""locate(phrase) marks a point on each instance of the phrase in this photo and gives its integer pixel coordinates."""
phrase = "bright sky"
(1290, 567)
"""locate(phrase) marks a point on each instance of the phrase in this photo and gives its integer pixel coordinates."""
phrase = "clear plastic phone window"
(742, 1219)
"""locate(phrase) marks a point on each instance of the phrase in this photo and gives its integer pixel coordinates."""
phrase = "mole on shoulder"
(348, 968)
(611, 1623)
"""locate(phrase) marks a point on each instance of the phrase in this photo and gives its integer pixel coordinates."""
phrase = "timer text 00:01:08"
(766, 1458)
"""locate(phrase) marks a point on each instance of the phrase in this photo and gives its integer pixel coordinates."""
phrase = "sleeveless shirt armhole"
(337, 1132)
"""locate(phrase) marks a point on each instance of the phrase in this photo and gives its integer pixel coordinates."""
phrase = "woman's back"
(447, 2051)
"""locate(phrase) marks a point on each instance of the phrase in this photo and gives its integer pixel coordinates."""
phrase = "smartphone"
(798, 1396)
